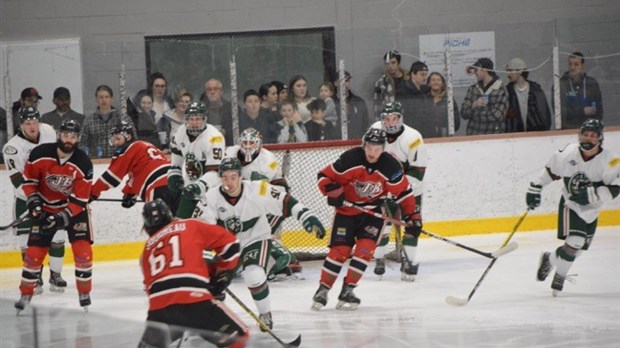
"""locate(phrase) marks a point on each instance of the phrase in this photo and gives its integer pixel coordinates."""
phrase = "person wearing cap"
(580, 95)
(528, 110)
(357, 109)
(63, 111)
(418, 103)
(29, 97)
(392, 85)
(486, 101)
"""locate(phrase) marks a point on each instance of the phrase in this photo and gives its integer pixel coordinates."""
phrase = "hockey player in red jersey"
(181, 286)
(364, 176)
(145, 164)
(57, 182)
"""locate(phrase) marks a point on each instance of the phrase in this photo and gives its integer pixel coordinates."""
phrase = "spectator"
(175, 118)
(63, 111)
(219, 110)
(358, 119)
(392, 85)
(527, 105)
(29, 97)
(146, 126)
(3, 132)
(580, 95)
(300, 96)
(486, 101)
(439, 111)
(157, 86)
(292, 127)
(95, 136)
(317, 127)
(268, 94)
(282, 91)
(252, 117)
(327, 91)
(418, 103)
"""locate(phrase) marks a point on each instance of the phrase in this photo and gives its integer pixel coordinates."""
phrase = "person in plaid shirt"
(95, 137)
(486, 101)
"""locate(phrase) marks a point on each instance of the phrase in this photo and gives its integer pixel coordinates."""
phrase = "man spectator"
(580, 95)
(486, 101)
(392, 85)
(29, 97)
(219, 110)
(528, 110)
(417, 104)
(357, 111)
(63, 111)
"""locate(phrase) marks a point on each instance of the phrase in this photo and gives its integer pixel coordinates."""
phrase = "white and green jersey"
(408, 148)
(265, 164)
(246, 218)
(602, 171)
(200, 158)
(17, 150)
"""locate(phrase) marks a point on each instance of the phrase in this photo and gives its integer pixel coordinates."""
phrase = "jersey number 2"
(158, 260)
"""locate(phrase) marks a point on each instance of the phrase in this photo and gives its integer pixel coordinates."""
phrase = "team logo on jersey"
(193, 167)
(372, 230)
(341, 231)
(60, 183)
(577, 181)
(80, 226)
(572, 162)
(368, 189)
(250, 256)
(233, 224)
(10, 150)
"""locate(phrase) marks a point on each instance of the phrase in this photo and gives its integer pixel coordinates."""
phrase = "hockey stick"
(455, 301)
(400, 248)
(20, 219)
(113, 200)
(262, 325)
(497, 253)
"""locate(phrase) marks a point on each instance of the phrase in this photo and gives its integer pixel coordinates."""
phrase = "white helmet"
(251, 143)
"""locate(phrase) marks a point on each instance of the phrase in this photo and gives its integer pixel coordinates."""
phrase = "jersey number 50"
(157, 259)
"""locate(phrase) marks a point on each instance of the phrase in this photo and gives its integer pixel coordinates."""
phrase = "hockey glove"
(532, 197)
(35, 207)
(413, 226)
(129, 201)
(194, 190)
(335, 194)
(585, 195)
(312, 224)
(258, 176)
(219, 283)
(54, 222)
(175, 182)
(92, 199)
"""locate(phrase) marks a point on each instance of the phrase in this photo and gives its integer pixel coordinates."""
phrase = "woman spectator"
(299, 96)
(282, 91)
(145, 124)
(158, 87)
(437, 84)
(292, 127)
(175, 118)
(327, 92)
(268, 94)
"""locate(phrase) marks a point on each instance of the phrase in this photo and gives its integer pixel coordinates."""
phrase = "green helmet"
(593, 125)
(28, 113)
(229, 163)
(390, 108)
(196, 109)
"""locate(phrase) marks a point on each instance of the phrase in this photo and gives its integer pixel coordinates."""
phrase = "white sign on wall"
(465, 49)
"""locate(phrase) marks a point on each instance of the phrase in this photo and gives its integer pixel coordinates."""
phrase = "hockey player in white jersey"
(197, 150)
(241, 207)
(16, 151)
(407, 146)
(590, 176)
(259, 163)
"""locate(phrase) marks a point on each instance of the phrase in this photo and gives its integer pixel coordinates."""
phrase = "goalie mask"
(196, 118)
(392, 117)
(122, 129)
(592, 125)
(251, 144)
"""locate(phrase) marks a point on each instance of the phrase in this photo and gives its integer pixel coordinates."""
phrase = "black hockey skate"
(408, 271)
(544, 267)
(84, 298)
(57, 284)
(557, 284)
(38, 289)
(24, 300)
(320, 298)
(267, 320)
(379, 266)
(347, 299)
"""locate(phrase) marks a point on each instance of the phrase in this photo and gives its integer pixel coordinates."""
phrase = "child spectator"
(327, 92)
(318, 127)
(293, 129)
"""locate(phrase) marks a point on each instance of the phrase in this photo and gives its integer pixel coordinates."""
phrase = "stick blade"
(455, 301)
(510, 247)
(295, 343)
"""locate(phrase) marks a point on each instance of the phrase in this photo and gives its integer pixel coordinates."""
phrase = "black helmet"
(375, 136)
(230, 163)
(70, 126)
(156, 214)
(122, 127)
(28, 113)
(592, 125)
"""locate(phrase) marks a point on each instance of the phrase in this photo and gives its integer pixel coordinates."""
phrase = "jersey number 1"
(158, 261)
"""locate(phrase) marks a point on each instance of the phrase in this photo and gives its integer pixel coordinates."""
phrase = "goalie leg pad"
(333, 263)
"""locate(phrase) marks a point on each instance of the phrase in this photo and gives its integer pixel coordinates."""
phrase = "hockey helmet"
(70, 126)
(593, 125)
(251, 142)
(390, 108)
(28, 113)
(124, 128)
(374, 136)
(230, 163)
(156, 214)
(196, 109)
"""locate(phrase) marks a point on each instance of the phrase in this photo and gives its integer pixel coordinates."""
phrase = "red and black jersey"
(146, 165)
(367, 184)
(60, 185)
(172, 263)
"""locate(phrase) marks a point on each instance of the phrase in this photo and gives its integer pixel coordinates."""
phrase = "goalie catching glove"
(311, 223)
(585, 195)
(335, 194)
